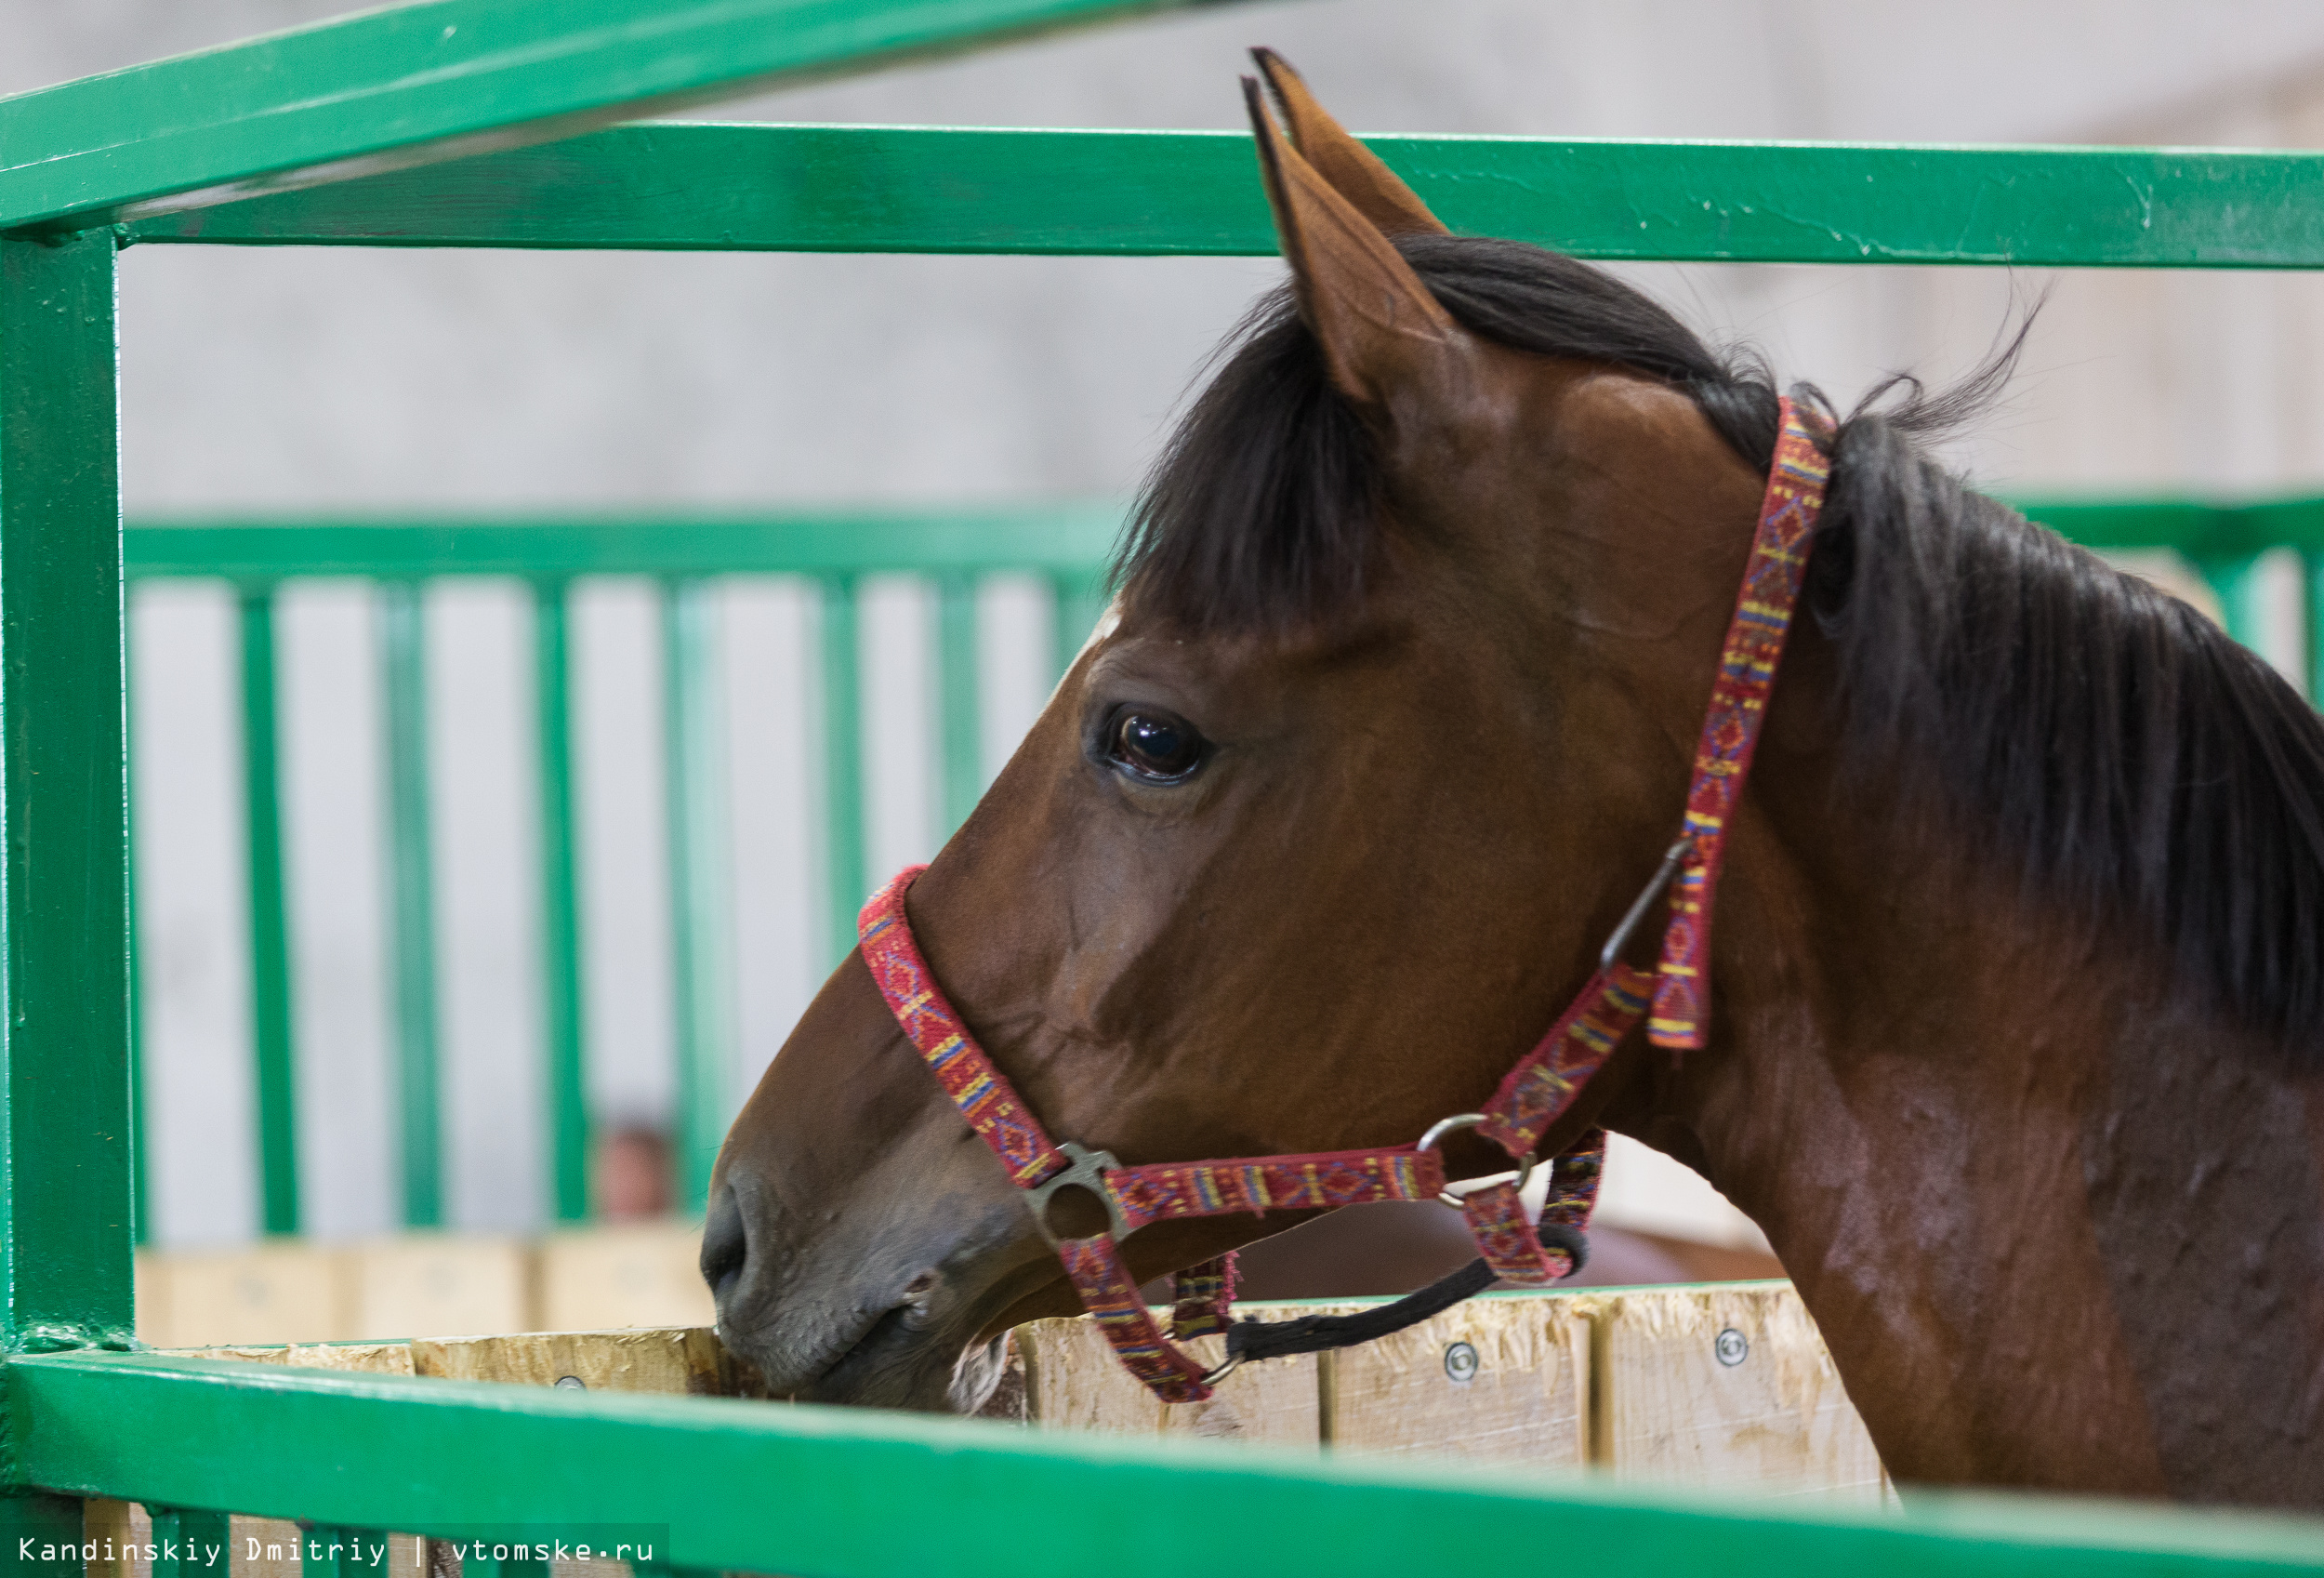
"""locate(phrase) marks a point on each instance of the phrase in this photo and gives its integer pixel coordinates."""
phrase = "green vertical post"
(140, 1221)
(961, 733)
(325, 1552)
(701, 915)
(65, 1124)
(844, 878)
(2312, 609)
(2234, 578)
(270, 1025)
(191, 1545)
(404, 643)
(1079, 601)
(560, 913)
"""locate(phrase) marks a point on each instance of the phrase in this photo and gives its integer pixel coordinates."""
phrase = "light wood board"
(1728, 1386)
(1074, 1383)
(646, 1274)
(1503, 1379)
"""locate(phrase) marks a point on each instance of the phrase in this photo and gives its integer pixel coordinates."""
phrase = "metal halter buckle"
(1454, 1124)
(1086, 1169)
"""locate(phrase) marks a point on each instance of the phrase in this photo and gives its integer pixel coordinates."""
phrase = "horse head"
(1415, 626)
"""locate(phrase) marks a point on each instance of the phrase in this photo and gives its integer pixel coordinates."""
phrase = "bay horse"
(2017, 1045)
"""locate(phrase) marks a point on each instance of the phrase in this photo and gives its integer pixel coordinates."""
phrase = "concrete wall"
(294, 380)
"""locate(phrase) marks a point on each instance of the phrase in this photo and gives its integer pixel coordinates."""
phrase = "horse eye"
(1154, 745)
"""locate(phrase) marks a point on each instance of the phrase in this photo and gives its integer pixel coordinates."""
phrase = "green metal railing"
(439, 123)
(1066, 547)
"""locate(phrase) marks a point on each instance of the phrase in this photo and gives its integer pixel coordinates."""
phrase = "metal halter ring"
(1087, 1169)
(1454, 1124)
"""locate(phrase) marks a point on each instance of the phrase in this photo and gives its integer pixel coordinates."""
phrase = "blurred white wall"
(289, 379)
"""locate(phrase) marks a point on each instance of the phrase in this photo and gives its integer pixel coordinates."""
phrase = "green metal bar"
(1077, 602)
(439, 80)
(925, 189)
(403, 660)
(701, 913)
(272, 1028)
(1074, 538)
(2312, 611)
(2235, 580)
(956, 670)
(560, 911)
(191, 1545)
(42, 1535)
(340, 1553)
(870, 1494)
(141, 1175)
(65, 1122)
(845, 872)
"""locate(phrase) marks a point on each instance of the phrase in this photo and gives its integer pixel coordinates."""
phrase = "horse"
(2015, 1049)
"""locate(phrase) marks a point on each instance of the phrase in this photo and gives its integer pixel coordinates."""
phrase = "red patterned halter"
(1536, 1092)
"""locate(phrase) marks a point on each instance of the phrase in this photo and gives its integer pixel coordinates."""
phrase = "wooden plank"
(1073, 1383)
(1504, 1378)
(276, 1292)
(646, 1274)
(437, 1285)
(152, 1272)
(684, 1362)
(1728, 1386)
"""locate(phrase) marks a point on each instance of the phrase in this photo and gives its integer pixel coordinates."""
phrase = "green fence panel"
(562, 1009)
(921, 189)
(411, 84)
(65, 1122)
(403, 664)
(877, 1494)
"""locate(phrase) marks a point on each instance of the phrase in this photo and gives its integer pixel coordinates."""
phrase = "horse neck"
(2056, 1229)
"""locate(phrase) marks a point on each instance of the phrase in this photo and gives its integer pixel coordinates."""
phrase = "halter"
(1536, 1093)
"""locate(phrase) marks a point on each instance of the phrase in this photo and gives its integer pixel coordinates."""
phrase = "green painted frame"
(871, 1491)
(1066, 545)
(175, 152)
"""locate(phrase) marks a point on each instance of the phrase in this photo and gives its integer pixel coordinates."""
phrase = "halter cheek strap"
(1536, 1092)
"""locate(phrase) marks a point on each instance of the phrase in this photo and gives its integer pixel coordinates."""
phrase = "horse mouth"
(856, 1371)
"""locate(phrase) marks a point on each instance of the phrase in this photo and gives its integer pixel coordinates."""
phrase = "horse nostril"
(724, 1244)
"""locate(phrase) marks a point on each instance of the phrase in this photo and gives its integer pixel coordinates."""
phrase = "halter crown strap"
(1738, 705)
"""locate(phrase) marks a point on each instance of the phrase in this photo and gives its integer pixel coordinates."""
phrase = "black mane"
(2128, 760)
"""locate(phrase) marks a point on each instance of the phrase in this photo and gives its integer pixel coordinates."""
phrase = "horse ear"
(1351, 169)
(1377, 322)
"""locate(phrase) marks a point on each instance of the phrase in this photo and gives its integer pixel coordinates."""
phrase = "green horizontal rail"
(906, 189)
(410, 83)
(2198, 529)
(876, 1494)
(1068, 540)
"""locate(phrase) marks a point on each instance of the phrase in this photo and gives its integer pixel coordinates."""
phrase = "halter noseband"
(1535, 1094)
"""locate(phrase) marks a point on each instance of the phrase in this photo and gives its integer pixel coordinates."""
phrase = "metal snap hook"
(1454, 1124)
